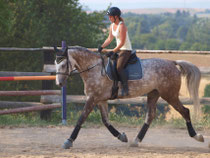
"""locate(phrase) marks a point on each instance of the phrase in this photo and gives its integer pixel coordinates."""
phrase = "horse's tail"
(193, 76)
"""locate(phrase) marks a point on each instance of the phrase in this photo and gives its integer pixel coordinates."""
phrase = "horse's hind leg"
(152, 98)
(103, 106)
(178, 106)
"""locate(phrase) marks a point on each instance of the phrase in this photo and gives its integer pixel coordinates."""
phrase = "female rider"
(118, 30)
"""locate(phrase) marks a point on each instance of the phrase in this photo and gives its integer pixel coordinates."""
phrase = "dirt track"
(98, 142)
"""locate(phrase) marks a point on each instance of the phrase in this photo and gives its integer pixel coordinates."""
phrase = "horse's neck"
(86, 60)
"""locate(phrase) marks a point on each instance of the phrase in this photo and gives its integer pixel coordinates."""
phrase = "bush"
(206, 108)
(207, 91)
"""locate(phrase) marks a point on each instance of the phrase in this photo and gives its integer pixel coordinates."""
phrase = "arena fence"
(59, 97)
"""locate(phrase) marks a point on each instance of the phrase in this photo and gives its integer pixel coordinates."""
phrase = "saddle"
(132, 68)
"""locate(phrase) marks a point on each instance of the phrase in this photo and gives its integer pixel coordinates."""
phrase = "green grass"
(19, 120)
(94, 119)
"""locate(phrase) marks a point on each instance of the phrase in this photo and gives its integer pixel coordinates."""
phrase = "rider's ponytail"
(121, 19)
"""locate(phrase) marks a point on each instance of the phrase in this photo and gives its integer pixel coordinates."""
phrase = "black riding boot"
(124, 81)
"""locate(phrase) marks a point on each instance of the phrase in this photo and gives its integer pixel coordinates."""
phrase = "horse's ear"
(56, 49)
(64, 51)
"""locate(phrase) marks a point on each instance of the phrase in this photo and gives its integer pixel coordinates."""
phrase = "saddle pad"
(134, 71)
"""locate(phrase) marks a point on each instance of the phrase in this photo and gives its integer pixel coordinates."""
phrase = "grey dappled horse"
(161, 78)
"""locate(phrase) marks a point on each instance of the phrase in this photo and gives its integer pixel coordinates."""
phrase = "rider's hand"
(109, 54)
(100, 49)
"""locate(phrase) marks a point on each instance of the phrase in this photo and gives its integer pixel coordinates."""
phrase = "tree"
(148, 41)
(5, 21)
(178, 13)
(182, 32)
(185, 46)
(172, 44)
(38, 23)
(160, 45)
(47, 22)
(199, 33)
(199, 46)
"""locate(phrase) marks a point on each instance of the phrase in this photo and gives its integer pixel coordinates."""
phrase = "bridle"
(73, 72)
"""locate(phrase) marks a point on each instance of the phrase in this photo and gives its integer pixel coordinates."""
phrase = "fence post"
(63, 89)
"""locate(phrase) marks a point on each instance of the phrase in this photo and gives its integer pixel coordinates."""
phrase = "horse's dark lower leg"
(87, 109)
(152, 98)
(178, 106)
(103, 106)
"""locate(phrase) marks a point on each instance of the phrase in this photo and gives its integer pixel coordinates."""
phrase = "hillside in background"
(200, 12)
(169, 31)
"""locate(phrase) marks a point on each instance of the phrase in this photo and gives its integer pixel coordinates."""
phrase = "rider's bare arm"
(109, 38)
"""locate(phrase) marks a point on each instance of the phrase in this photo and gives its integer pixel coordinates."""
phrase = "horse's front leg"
(103, 106)
(87, 109)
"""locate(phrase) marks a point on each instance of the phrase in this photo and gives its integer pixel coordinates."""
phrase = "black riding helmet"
(114, 11)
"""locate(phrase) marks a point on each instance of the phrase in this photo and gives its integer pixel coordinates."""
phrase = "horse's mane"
(82, 49)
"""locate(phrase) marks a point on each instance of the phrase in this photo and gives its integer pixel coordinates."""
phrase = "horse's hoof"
(135, 143)
(67, 144)
(199, 137)
(123, 137)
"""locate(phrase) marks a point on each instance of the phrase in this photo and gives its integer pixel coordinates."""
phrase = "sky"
(136, 4)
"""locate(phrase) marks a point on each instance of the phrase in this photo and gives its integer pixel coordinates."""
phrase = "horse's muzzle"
(60, 84)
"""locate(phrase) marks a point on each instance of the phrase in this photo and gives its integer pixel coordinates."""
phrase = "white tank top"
(127, 44)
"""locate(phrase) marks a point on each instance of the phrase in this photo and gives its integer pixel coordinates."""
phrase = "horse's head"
(71, 59)
(62, 65)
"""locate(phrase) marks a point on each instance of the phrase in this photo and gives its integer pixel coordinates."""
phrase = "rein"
(89, 68)
(70, 74)
(82, 70)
